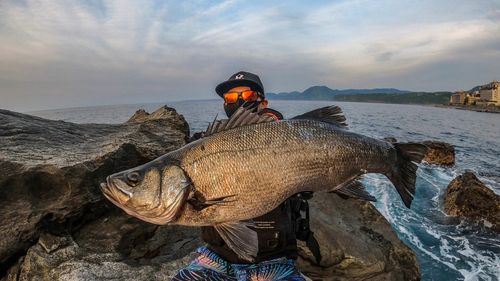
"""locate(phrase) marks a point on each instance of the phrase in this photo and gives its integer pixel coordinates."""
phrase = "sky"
(75, 53)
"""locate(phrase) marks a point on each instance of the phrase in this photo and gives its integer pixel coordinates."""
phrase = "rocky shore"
(440, 153)
(477, 108)
(469, 199)
(55, 223)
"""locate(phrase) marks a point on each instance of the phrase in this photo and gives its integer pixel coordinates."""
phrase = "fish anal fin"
(241, 239)
(328, 114)
(354, 189)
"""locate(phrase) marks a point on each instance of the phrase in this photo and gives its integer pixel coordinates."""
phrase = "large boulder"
(56, 224)
(440, 153)
(51, 172)
(175, 121)
(356, 242)
(468, 198)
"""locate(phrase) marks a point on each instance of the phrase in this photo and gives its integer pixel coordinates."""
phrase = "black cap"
(239, 79)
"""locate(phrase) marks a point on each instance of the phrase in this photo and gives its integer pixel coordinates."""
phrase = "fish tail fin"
(404, 174)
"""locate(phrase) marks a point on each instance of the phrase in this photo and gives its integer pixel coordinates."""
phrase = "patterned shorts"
(209, 266)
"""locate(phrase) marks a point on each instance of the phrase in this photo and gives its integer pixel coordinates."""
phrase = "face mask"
(230, 108)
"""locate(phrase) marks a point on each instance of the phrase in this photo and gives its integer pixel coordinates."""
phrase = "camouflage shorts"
(209, 266)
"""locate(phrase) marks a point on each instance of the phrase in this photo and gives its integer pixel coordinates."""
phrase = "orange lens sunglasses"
(232, 97)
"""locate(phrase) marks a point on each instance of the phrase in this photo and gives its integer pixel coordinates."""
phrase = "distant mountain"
(318, 93)
(325, 93)
(282, 96)
(474, 89)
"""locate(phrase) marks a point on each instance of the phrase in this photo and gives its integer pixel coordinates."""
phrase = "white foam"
(444, 245)
(469, 276)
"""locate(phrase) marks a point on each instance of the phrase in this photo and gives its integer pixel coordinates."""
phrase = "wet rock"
(390, 139)
(468, 198)
(51, 172)
(440, 153)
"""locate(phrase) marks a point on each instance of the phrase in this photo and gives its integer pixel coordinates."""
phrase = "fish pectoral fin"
(241, 239)
(354, 189)
(200, 204)
(220, 200)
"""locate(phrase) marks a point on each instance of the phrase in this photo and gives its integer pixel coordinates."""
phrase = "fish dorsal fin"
(329, 114)
(354, 189)
(241, 239)
(241, 117)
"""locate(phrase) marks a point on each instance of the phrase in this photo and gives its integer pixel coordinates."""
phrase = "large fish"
(245, 167)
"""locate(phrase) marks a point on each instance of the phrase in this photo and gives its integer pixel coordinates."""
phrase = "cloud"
(95, 52)
(493, 15)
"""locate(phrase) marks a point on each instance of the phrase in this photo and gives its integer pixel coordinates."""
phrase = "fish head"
(153, 192)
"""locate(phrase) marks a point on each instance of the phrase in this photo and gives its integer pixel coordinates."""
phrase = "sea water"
(446, 249)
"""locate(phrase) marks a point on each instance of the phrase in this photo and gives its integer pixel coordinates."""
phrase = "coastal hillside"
(477, 88)
(325, 93)
(409, 98)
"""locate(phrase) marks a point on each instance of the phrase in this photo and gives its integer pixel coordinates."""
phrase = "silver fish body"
(262, 165)
(241, 173)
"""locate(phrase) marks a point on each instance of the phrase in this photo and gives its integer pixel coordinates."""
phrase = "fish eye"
(134, 178)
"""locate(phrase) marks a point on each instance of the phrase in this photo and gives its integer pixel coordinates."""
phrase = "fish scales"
(309, 155)
(235, 174)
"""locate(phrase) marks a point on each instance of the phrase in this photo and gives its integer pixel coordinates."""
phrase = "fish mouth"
(110, 195)
(105, 186)
(119, 197)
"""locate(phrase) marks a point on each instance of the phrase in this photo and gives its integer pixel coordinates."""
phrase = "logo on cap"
(239, 76)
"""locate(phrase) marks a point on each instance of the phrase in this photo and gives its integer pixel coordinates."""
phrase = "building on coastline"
(490, 93)
(471, 100)
(458, 97)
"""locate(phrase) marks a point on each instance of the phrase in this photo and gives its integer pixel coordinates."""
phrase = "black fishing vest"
(275, 234)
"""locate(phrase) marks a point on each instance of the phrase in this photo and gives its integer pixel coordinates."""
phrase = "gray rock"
(440, 153)
(357, 243)
(390, 139)
(51, 171)
(468, 198)
(114, 247)
(175, 121)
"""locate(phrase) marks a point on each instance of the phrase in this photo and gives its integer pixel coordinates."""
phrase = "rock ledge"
(468, 198)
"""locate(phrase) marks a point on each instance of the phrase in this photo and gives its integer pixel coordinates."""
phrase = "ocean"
(445, 250)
